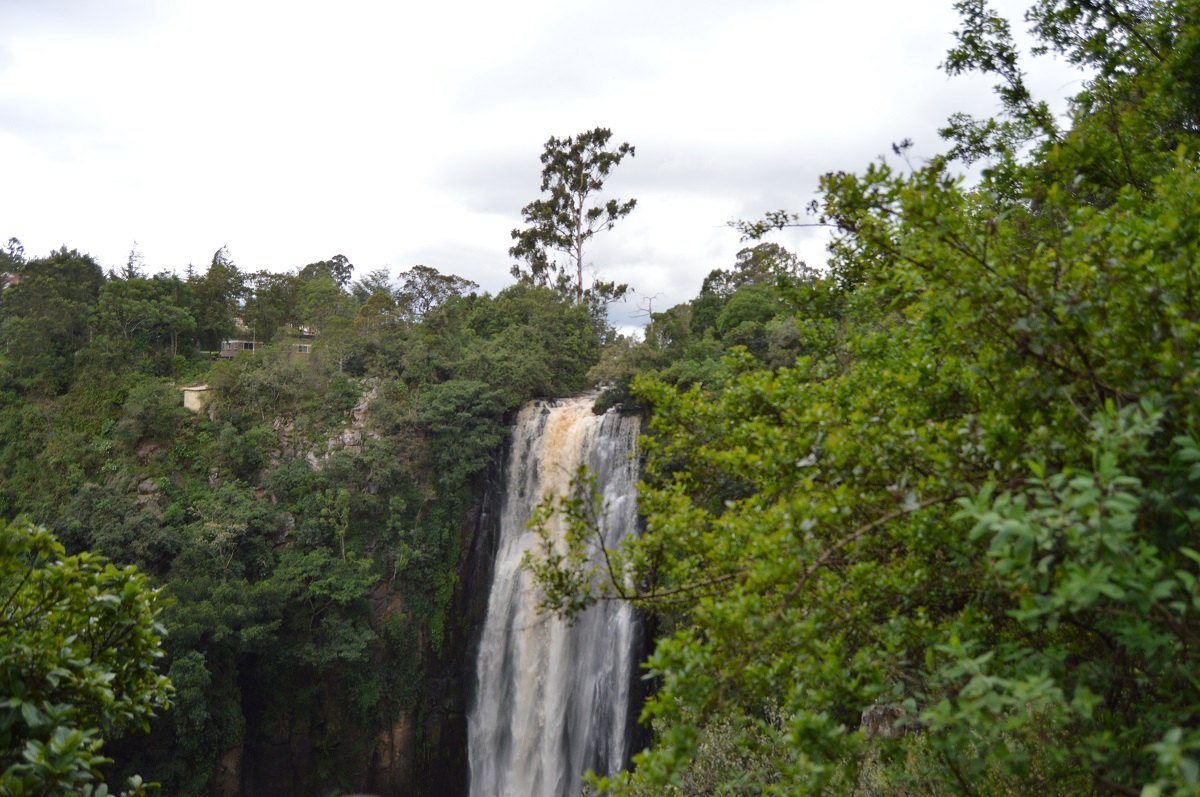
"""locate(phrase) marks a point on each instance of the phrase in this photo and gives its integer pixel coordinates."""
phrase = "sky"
(399, 133)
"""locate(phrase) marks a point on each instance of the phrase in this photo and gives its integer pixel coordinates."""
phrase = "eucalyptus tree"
(338, 268)
(574, 170)
(12, 255)
(377, 281)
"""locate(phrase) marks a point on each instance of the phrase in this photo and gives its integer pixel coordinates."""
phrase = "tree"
(465, 417)
(218, 298)
(529, 341)
(44, 317)
(338, 268)
(320, 300)
(573, 173)
(143, 313)
(79, 640)
(134, 265)
(378, 315)
(272, 304)
(12, 256)
(423, 288)
(377, 281)
(762, 264)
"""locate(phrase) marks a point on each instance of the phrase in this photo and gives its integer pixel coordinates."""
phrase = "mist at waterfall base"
(552, 700)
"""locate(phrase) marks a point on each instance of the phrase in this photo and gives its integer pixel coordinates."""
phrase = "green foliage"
(730, 756)
(302, 599)
(258, 387)
(206, 723)
(114, 520)
(465, 418)
(529, 342)
(135, 317)
(321, 301)
(79, 640)
(970, 498)
(216, 298)
(230, 535)
(564, 570)
(337, 268)
(769, 305)
(378, 316)
(375, 282)
(43, 318)
(152, 411)
(422, 288)
(273, 305)
(12, 256)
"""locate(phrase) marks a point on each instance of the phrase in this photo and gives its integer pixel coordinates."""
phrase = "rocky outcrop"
(349, 438)
(885, 722)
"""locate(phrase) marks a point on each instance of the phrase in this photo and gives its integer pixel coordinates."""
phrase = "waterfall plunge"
(552, 700)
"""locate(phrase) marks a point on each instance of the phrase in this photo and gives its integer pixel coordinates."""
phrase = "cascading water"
(552, 699)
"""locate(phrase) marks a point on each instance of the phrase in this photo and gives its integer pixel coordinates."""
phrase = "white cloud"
(403, 133)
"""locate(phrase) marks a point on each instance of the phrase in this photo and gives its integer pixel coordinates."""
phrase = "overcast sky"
(401, 133)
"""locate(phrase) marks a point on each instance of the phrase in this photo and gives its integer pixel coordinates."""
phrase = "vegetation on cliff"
(306, 527)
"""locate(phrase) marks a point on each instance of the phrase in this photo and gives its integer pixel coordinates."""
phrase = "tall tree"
(44, 318)
(143, 314)
(573, 173)
(218, 296)
(338, 268)
(272, 304)
(423, 288)
(12, 256)
(377, 281)
(321, 300)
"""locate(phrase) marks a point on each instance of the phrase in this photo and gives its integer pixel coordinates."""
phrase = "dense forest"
(918, 522)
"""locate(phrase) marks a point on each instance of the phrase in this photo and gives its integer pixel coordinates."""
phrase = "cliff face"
(420, 752)
(441, 760)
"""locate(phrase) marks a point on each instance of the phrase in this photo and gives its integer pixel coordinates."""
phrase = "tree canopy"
(80, 641)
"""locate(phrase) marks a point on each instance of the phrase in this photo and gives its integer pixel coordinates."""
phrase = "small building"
(196, 397)
(234, 346)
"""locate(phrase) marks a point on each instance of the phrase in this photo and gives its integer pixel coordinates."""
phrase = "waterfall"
(552, 699)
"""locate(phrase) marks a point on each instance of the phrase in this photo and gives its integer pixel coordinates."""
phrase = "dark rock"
(884, 722)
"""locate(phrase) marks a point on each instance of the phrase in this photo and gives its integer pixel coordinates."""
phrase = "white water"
(552, 700)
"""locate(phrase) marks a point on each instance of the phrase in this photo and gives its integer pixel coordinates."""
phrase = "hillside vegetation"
(307, 527)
